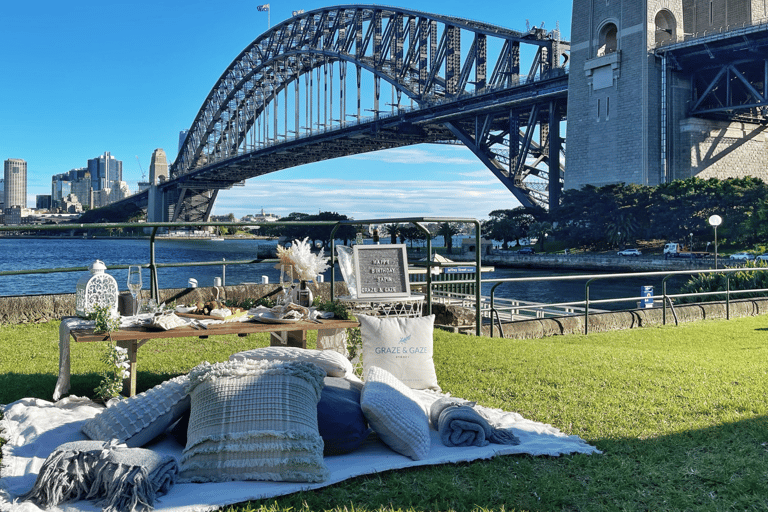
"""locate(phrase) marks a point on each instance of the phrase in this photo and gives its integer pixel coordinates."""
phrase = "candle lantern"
(97, 288)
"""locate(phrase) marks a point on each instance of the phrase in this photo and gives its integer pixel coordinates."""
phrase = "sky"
(85, 77)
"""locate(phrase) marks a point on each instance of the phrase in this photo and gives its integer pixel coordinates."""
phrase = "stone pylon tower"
(629, 114)
(158, 173)
(614, 95)
(158, 167)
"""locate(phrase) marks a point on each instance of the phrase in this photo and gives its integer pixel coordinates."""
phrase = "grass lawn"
(680, 413)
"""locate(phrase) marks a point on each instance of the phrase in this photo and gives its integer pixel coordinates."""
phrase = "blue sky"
(84, 77)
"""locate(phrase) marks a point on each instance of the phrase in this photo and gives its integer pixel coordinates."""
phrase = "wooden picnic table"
(292, 334)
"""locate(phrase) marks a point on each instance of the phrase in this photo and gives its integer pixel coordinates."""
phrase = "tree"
(393, 230)
(447, 230)
(540, 230)
(511, 225)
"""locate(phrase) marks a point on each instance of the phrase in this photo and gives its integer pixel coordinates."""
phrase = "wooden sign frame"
(381, 271)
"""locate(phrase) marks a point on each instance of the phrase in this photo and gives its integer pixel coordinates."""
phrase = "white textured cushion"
(333, 363)
(402, 346)
(254, 420)
(137, 420)
(393, 412)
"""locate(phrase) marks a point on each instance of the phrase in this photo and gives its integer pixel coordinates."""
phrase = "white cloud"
(421, 155)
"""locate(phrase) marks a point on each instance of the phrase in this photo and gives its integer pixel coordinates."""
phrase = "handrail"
(666, 276)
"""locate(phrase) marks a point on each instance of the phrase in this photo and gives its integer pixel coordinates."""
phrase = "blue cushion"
(340, 418)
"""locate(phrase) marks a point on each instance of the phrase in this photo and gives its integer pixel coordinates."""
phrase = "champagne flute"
(134, 285)
(286, 281)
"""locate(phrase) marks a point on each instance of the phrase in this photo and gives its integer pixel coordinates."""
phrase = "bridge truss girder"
(728, 73)
(279, 93)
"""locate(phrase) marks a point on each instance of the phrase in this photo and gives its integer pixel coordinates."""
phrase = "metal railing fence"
(665, 297)
(430, 285)
(153, 265)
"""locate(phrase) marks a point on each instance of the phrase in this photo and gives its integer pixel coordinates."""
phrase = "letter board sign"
(381, 271)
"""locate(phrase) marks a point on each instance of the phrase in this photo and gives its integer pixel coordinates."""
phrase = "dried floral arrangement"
(306, 265)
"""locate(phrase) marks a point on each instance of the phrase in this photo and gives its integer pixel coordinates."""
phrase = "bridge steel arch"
(500, 92)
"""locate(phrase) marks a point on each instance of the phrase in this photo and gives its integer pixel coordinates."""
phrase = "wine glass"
(134, 285)
(286, 281)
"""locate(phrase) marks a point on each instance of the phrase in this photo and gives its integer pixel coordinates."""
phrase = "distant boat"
(217, 239)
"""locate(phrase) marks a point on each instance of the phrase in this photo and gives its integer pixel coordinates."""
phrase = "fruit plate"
(268, 317)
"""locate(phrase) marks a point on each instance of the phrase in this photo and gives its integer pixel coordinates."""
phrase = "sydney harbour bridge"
(352, 79)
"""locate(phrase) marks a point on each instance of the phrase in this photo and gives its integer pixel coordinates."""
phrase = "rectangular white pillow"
(401, 346)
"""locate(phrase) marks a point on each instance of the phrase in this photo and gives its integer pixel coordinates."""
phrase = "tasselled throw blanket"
(115, 477)
(35, 428)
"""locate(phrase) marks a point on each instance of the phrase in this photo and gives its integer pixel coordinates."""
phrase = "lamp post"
(714, 221)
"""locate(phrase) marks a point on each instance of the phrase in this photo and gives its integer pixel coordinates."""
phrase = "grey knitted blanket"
(459, 424)
(117, 478)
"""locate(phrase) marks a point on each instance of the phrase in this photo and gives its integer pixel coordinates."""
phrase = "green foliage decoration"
(105, 322)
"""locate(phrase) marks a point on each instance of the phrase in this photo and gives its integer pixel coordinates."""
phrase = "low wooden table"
(131, 338)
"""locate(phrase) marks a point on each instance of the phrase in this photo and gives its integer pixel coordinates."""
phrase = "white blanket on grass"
(33, 428)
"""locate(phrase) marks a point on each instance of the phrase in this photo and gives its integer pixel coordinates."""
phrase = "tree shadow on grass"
(15, 386)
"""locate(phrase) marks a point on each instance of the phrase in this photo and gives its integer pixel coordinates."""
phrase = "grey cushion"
(139, 419)
(254, 420)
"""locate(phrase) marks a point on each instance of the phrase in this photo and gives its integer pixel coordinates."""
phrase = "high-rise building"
(106, 171)
(15, 181)
(43, 202)
(158, 167)
(76, 181)
(182, 138)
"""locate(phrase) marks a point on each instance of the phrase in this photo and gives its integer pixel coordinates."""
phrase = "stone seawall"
(589, 262)
(43, 308)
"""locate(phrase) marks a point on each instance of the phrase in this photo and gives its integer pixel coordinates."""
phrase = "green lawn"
(681, 414)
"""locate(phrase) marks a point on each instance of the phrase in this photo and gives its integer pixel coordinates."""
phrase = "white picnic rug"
(33, 428)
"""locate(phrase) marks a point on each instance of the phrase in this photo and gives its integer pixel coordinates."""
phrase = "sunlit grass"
(681, 414)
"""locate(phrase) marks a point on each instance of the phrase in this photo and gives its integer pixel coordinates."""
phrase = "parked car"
(762, 257)
(630, 252)
(742, 256)
(526, 250)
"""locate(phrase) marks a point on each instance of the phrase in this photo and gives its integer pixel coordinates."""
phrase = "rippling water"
(22, 254)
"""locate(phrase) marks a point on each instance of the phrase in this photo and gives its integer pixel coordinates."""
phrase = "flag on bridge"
(263, 7)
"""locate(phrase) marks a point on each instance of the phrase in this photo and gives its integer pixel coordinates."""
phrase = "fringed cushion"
(393, 411)
(254, 420)
(401, 346)
(139, 419)
(332, 362)
(117, 478)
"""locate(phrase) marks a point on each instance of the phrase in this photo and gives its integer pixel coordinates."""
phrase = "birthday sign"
(381, 271)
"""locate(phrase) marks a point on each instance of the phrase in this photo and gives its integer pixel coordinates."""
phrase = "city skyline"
(135, 90)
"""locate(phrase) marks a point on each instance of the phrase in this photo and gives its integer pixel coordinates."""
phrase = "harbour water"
(34, 253)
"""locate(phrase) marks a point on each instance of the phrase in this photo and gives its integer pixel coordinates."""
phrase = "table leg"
(129, 384)
(288, 339)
